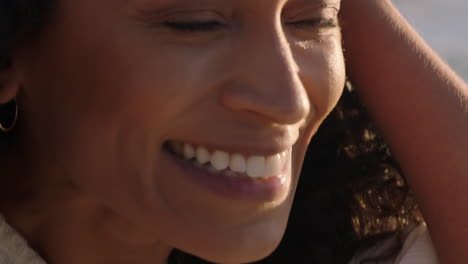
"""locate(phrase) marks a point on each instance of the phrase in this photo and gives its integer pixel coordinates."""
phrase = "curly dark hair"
(351, 193)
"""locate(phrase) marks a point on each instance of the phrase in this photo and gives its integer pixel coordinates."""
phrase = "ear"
(9, 80)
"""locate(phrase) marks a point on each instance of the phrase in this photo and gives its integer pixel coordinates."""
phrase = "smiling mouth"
(236, 165)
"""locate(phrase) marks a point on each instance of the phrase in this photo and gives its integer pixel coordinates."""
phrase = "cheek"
(323, 74)
(336, 77)
(116, 113)
(104, 134)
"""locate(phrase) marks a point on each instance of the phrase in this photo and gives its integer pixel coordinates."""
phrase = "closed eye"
(194, 26)
(319, 23)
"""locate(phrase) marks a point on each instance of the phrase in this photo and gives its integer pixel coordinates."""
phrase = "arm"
(422, 108)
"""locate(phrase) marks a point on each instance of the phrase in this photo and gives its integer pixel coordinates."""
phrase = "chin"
(239, 246)
(239, 254)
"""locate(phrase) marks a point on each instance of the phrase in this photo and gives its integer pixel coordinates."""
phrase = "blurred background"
(444, 25)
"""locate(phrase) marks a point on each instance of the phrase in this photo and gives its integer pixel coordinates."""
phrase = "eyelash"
(320, 23)
(188, 26)
(208, 26)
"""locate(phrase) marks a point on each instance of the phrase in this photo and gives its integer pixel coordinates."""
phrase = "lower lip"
(241, 188)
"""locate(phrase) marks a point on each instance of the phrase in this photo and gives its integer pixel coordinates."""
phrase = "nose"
(266, 80)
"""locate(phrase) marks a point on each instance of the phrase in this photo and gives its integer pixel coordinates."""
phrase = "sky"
(444, 25)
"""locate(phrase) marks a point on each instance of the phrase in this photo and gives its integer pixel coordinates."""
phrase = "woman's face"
(114, 91)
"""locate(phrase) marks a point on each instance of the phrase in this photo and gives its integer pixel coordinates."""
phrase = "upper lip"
(251, 145)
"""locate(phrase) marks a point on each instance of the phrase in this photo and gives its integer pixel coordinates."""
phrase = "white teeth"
(203, 156)
(220, 160)
(189, 152)
(238, 163)
(273, 165)
(232, 165)
(256, 167)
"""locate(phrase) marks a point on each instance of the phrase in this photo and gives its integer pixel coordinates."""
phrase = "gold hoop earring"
(13, 122)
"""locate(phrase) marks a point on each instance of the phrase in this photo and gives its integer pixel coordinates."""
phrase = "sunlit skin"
(108, 82)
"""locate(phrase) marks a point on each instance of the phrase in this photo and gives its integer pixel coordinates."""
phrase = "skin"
(421, 106)
(100, 92)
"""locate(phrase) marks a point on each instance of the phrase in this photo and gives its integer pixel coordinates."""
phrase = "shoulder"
(13, 248)
(418, 248)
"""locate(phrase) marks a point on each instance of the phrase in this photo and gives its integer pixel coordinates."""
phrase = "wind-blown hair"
(351, 194)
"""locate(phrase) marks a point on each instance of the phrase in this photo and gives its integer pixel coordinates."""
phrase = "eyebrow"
(158, 9)
(318, 3)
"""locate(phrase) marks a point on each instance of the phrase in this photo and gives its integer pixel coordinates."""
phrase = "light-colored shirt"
(417, 249)
(13, 248)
